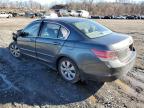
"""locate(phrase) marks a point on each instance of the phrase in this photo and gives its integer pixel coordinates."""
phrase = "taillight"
(104, 54)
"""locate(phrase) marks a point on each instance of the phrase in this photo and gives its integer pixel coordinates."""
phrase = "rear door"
(27, 43)
(50, 41)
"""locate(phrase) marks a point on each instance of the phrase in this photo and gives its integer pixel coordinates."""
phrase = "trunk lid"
(120, 43)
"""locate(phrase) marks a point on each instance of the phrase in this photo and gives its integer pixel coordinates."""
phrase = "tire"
(14, 50)
(68, 70)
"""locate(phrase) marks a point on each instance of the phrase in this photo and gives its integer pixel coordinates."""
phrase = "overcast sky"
(64, 1)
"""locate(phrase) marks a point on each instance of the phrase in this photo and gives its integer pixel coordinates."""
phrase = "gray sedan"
(78, 48)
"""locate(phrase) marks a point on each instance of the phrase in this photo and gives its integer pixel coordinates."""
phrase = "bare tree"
(120, 7)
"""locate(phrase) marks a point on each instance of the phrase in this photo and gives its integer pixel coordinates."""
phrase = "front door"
(26, 43)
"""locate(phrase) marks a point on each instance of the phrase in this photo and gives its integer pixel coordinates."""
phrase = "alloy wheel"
(68, 70)
(15, 50)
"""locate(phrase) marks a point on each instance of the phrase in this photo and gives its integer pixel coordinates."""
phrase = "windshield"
(91, 28)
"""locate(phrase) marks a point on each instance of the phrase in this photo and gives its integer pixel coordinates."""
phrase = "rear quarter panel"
(82, 55)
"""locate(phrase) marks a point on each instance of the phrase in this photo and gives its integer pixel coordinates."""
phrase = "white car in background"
(83, 13)
(72, 12)
(50, 15)
(5, 15)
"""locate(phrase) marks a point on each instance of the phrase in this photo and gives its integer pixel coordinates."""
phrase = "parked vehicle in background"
(50, 15)
(139, 17)
(29, 14)
(39, 14)
(82, 13)
(14, 14)
(72, 13)
(107, 17)
(131, 17)
(78, 48)
(142, 17)
(21, 14)
(5, 15)
(118, 17)
(62, 12)
(95, 17)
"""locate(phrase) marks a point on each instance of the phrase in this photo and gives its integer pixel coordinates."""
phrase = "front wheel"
(68, 70)
(14, 50)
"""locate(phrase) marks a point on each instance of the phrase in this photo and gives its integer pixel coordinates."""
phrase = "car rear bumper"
(102, 72)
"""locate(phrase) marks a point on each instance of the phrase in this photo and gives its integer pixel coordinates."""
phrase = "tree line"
(119, 7)
(30, 4)
(116, 8)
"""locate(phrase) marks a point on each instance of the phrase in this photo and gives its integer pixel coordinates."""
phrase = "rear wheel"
(68, 70)
(14, 50)
(8, 17)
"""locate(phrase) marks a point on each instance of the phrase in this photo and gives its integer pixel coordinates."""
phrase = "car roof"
(65, 19)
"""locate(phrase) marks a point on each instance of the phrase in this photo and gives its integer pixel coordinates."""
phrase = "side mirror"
(14, 36)
(23, 34)
(18, 31)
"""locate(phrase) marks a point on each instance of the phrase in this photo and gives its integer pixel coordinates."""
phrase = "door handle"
(56, 43)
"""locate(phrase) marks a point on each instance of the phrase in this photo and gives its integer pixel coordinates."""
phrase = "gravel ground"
(28, 83)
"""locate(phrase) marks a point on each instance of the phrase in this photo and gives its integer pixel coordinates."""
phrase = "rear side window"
(63, 33)
(54, 31)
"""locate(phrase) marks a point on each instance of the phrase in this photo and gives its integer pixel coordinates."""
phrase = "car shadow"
(30, 82)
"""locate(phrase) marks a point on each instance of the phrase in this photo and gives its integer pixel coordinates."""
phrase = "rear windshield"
(91, 28)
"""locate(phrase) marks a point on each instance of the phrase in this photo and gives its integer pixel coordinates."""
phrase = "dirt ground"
(27, 83)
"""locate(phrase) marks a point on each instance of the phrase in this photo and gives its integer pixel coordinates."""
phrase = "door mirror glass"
(23, 34)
